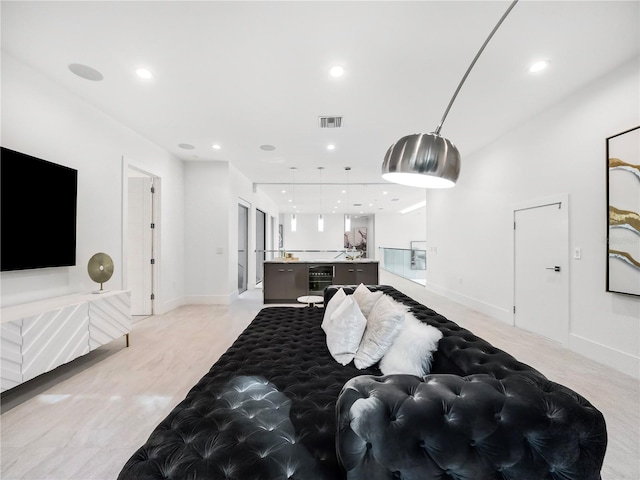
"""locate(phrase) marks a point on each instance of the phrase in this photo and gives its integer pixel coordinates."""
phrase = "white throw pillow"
(344, 330)
(383, 326)
(412, 350)
(334, 303)
(366, 298)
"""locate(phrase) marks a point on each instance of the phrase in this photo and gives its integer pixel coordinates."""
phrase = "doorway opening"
(141, 230)
(243, 247)
(261, 243)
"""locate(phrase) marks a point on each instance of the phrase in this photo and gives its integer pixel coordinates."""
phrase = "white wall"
(307, 236)
(242, 189)
(206, 221)
(394, 230)
(40, 118)
(212, 193)
(561, 151)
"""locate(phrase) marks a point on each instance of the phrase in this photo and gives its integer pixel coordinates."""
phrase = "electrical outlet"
(577, 253)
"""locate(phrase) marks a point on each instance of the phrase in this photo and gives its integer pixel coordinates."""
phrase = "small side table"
(311, 300)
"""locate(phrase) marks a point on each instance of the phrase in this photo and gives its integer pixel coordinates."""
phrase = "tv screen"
(38, 212)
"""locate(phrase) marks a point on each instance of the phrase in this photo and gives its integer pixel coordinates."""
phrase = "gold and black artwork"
(623, 218)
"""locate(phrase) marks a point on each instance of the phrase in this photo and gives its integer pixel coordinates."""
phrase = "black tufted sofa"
(276, 406)
(479, 415)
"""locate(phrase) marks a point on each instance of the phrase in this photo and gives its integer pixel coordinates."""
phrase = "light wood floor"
(84, 420)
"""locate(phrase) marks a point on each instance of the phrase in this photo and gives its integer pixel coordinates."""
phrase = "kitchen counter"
(286, 280)
(323, 260)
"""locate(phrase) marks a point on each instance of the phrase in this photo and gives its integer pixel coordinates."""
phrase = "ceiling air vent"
(330, 122)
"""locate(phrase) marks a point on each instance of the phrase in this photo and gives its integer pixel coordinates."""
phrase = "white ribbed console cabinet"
(40, 336)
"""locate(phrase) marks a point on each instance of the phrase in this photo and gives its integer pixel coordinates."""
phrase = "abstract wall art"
(356, 238)
(623, 217)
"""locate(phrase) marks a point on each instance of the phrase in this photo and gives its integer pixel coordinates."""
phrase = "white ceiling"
(244, 74)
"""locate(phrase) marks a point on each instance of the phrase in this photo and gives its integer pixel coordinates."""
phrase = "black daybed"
(276, 405)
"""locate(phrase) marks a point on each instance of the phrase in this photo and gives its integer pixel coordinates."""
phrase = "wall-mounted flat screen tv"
(38, 203)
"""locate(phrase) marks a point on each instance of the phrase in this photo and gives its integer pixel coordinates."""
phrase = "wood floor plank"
(84, 419)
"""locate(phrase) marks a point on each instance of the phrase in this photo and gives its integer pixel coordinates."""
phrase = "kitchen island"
(285, 280)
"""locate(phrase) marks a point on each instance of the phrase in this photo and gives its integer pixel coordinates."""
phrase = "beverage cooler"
(320, 276)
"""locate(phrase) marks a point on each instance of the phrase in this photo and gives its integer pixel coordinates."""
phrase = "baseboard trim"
(493, 311)
(169, 305)
(211, 299)
(620, 361)
(490, 310)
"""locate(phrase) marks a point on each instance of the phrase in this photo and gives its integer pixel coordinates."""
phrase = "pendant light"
(320, 217)
(294, 220)
(429, 160)
(347, 217)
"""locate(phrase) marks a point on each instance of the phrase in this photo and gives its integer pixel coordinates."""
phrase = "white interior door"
(140, 245)
(541, 290)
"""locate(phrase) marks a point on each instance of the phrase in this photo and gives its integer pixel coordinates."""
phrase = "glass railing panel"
(407, 263)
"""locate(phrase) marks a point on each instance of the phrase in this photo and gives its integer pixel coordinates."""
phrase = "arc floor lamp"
(429, 160)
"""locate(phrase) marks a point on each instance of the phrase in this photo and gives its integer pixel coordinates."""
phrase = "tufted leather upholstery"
(277, 375)
(267, 410)
(480, 415)
(474, 427)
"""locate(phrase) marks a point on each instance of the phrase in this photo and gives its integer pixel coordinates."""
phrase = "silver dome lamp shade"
(429, 160)
(424, 160)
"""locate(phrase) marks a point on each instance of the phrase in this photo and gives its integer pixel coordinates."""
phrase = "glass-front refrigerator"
(320, 276)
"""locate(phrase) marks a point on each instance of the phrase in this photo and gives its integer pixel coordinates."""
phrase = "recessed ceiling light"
(186, 146)
(384, 193)
(144, 73)
(538, 66)
(336, 71)
(284, 191)
(86, 72)
(331, 147)
(215, 146)
(267, 148)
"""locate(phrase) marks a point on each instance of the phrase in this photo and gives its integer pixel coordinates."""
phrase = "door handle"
(555, 269)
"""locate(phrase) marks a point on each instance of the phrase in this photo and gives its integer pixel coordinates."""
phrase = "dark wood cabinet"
(284, 282)
(356, 273)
